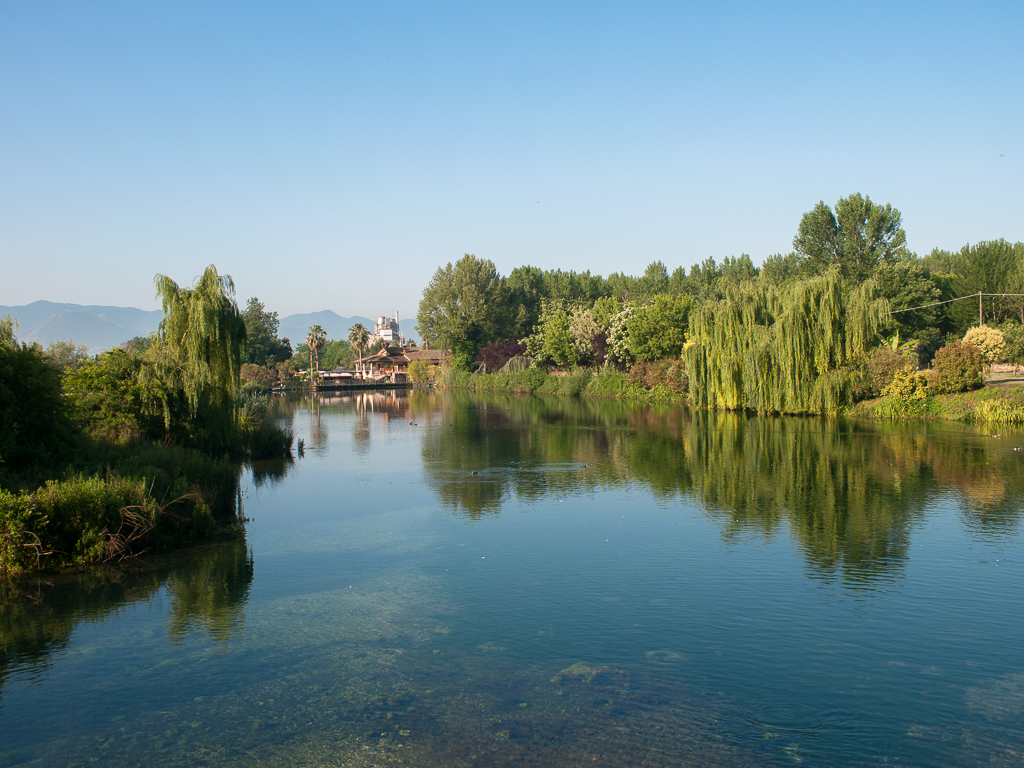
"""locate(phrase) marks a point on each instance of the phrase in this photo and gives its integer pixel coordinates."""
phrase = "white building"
(387, 328)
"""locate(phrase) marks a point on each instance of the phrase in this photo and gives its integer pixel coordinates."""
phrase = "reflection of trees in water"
(849, 492)
(208, 587)
(210, 595)
(317, 437)
(270, 471)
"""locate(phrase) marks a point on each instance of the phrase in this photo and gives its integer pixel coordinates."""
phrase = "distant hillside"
(295, 327)
(97, 327)
(101, 328)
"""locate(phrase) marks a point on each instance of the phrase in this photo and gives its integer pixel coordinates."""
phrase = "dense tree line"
(850, 272)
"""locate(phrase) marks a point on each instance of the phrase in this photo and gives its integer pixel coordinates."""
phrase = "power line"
(949, 301)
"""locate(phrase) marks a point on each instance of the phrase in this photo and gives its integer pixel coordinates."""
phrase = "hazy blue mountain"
(97, 327)
(101, 328)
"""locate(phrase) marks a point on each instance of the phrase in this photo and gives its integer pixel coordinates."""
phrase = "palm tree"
(315, 340)
(358, 337)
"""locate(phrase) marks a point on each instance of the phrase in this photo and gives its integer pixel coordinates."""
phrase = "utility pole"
(981, 320)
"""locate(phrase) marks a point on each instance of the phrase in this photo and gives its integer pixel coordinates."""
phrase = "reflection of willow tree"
(850, 500)
(211, 593)
(208, 587)
(850, 494)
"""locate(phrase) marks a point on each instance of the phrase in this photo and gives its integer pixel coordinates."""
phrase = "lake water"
(458, 580)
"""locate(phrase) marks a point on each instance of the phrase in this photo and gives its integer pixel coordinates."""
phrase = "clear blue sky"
(332, 155)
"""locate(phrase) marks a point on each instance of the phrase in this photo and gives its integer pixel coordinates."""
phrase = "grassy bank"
(116, 502)
(579, 383)
(995, 405)
(112, 493)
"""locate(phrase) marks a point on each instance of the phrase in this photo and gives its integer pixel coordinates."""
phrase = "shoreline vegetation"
(849, 322)
(138, 449)
(994, 403)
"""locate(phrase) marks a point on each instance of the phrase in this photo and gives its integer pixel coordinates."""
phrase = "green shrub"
(667, 374)
(258, 375)
(607, 383)
(575, 383)
(989, 341)
(905, 395)
(420, 372)
(957, 368)
(881, 366)
(453, 378)
(1013, 334)
(93, 519)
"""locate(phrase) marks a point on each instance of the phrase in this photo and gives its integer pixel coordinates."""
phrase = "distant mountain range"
(101, 328)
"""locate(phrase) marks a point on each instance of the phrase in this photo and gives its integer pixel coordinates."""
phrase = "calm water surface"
(448, 579)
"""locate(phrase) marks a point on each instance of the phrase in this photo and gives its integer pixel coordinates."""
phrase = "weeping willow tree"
(8, 326)
(785, 349)
(199, 355)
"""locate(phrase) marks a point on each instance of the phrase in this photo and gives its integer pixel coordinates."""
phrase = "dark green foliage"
(957, 368)
(1013, 333)
(91, 519)
(35, 430)
(994, 266)
(658, 330)
(856, 238)
(336, 352)
(906, 284)
(464, 308)
(108, 401)
(881, 366)
(778, 269)
(262, 346)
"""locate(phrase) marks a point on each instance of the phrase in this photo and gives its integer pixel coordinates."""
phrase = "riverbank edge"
(990, 404)
(114, 502)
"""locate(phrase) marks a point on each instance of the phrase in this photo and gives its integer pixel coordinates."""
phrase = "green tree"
(524, 288)
(605, 309)
(657, 330)
(856, 237)
(35, 432)
(66, 356)
(262, 346)
(907, 284)
(558, 341)
(992, 266)
(778, 269)
(463, 308)
(358, 337)
(315, 340)
(8, 326)
(109, 401)
(202, 337)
